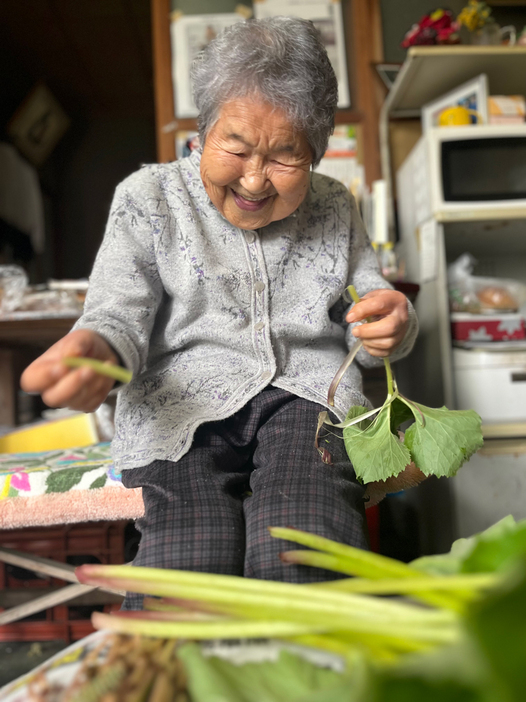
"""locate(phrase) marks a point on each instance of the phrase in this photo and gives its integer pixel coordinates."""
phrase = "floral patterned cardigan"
(206, 315)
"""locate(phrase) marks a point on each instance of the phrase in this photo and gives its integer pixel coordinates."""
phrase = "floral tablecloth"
(63, 486)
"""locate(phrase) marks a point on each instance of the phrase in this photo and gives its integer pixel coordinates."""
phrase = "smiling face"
(255, 165)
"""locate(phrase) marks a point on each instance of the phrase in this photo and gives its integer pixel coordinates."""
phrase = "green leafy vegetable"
(499, 626)
(370, 569)
(493, 550)
(438, 442)
(375, 451)
(441, 442)
(339, 616)
(404, 688)
(288, 678)
(469, 646)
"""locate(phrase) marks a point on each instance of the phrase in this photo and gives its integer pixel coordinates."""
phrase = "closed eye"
(283, 164)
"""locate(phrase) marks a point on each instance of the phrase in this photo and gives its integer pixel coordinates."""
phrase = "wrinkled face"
(255, 166)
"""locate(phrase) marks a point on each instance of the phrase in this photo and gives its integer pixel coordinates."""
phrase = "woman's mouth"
(250, 204)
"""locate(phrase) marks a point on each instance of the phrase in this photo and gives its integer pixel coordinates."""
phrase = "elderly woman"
(219, 285)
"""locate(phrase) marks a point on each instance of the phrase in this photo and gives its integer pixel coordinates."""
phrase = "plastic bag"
(13, 282)
(50, 301)
(480, 295)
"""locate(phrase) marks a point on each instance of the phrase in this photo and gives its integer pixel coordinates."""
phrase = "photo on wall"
(326, 15)
(190, 34)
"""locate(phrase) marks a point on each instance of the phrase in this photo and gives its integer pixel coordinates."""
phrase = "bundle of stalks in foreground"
(343, 616)
(130, 669)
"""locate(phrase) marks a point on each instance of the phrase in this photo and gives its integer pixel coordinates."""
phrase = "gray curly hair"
(280, 59)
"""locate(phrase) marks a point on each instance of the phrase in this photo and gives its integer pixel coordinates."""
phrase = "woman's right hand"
(77, 388)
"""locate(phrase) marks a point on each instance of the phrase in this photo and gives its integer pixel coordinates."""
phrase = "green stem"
(108, 369)
(348, 359)
(389, 374)
(208, 630)
(352, 292)
(284, 597)
(339, 564)
(390, 380)
(341, 371)
(472, 583)
(270, 623)
(359, 562)
(367, 563)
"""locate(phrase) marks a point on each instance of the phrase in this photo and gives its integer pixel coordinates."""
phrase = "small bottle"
(387, 260)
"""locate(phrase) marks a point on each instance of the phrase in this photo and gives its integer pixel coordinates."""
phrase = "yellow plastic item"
(75, 431)
(457, 116)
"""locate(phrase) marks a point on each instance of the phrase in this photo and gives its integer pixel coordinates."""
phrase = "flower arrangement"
(476, 15)
(439, 27)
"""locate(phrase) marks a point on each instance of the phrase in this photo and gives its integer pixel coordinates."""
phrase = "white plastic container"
(490, 486)
(493, 383)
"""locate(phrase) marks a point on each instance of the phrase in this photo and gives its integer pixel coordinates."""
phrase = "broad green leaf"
(390, 688)
(481, 553)
(287, 679)
(490, 555)
(375, 452)
(400, 413)
(357, 411)
(498, 624)
(448, 674)
(445, 441)
(461, 662)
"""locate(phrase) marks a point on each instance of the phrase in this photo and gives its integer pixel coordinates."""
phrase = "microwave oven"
(468, 172)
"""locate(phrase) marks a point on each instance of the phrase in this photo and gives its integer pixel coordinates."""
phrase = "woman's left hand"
(389, 321)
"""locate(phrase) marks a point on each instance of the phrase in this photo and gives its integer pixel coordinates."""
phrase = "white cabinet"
(428, 246)
(491, 486)
(493, 483)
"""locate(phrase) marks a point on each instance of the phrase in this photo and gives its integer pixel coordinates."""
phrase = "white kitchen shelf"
(481, 215)
(493, 483)
(430, 71)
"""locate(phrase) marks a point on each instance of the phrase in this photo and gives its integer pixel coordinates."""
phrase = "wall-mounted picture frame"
(190, 34)
(473, 95)
(327, 17)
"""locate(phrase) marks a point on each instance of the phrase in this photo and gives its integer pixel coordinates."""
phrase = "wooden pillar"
(163, 86)
(363, 30)
(8, 387)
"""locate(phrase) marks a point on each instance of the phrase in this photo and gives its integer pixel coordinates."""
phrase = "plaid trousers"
(211, 510)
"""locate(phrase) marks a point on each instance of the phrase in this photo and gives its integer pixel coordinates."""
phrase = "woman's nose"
(254, 178)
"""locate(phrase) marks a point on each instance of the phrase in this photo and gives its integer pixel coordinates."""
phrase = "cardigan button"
(250, 237)
(259, 286)
(259, 326)
(267, 375)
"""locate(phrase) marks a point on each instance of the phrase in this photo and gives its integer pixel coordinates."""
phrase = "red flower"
(446, 36)
(438, 27)
(444, 21)
(425, 22)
